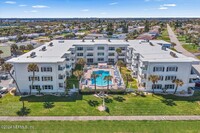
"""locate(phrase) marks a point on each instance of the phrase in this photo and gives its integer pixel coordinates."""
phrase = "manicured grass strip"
(101, 126)
(191, 48)
(79, 105)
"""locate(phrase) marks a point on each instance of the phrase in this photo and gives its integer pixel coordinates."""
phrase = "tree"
(154, 79)
(128, 77)
(146, 28)
(8, 67)
(119, 51)
(29, 47)
(108, 79)
(22, 47)
(14, 48)
(120, 63)
(32, 68)
(78, 74)
(39, 90)
(81, 62)
(178, 83)
(94, 77)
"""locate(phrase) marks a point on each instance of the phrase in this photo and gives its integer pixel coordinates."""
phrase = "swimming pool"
(100, 79)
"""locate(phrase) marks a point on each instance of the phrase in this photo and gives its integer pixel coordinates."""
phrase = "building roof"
(54, 54)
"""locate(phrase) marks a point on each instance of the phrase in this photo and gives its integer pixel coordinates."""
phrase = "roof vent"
(92, 40)
(83, 40)
(163, 48)
(126, 40)
(173, 54)
(51, 44)
(109, 40)
(33, 54)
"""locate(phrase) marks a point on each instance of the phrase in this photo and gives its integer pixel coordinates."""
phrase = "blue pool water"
(100, 80)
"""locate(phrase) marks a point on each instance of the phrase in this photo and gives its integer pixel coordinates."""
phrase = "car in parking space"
(4, 77)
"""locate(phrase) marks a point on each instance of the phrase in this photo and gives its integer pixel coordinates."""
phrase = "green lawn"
(191, 48)
(164, 36)
(182, 39)
(101, 126)
(133, 105)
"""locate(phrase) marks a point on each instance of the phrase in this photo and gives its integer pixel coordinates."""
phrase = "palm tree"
(78, 74)
(120, 63)
(154, 79)
(81, 62)
(14, 48)
(8, 67)
(128, 77)
(94, 77)
(119, 51)
(32, 68)
(22, 48)
(178, 83)
(108, 79)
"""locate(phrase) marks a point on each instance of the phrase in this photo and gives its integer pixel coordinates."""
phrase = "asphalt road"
(178, 46)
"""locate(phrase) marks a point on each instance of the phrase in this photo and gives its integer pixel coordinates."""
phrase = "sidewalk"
(95, 118)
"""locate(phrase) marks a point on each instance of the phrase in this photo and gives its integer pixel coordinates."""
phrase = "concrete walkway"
(94, 118)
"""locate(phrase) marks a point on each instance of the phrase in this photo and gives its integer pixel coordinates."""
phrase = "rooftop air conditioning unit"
(43, 48)
(33, 54)
(51, 44)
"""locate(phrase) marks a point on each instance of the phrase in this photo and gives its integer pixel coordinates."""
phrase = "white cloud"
(169, 5)
(40, 6)
(114, 3)
(10, 2)
(163, 8)
(85, 10)
(22, 5)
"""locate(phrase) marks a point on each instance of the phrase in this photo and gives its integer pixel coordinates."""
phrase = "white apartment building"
(56, 60)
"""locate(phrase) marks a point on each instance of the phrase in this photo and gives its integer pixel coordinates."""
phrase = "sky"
(98, 8)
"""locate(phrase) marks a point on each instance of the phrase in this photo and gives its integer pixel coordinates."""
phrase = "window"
(37, 70)
(79, 48)
(158, 69)
(90, 60)
(100, 54)
(34, 87)
(169, 86)
(90, 54)
(79, 54)
(111, 48)
(170, 78)
(157, 86)
(46, 69)
(111, 60)
(172, 69)
(161, 78)
(47, 78)
(61, 85)
(123, 48)
(100, 48)
(61, 76)
(90, 49)
(47, 87)
(111, 54)
(36, 78)
(100, 59)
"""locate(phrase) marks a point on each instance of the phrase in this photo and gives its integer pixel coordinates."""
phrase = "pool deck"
(88, 74)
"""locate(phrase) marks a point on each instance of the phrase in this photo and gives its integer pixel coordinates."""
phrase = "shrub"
(108, 100)
(119, 99)
(23, 111)
(48, 105)
(93, 103)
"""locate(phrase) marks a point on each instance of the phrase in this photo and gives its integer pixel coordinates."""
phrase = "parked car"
(4, 77)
